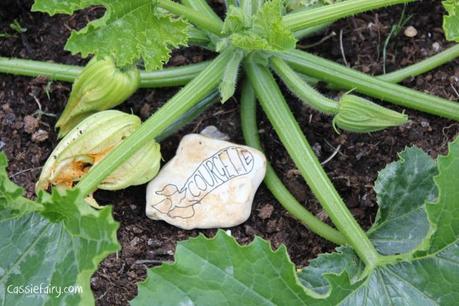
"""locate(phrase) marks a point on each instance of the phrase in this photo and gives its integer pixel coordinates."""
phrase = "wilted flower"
(359, 115)
(89, 142)
(100, 86)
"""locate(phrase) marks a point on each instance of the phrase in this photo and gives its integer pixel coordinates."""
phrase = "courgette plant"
(390, 264)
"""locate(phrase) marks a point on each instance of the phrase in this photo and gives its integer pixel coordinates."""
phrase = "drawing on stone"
(226, 164)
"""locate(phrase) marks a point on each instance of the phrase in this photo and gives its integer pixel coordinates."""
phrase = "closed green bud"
(359, 115)
(100, 86)
(89, 142)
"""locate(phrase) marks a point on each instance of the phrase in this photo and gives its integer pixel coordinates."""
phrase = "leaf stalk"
(272, 181)
(350, 79)
(289, 132)
(297, 21)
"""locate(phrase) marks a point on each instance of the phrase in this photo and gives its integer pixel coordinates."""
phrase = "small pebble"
(40, 136)
(212, 131)
(436, 46)
(411, 32)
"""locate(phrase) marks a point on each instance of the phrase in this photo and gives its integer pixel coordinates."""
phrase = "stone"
(411, 32)
(210, 183)
(212, 131)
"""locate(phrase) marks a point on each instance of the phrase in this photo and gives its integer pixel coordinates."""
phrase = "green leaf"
(425, 281)
(229, 81)
(334, 263)
(129, 31)
(12, 203)
(425, 278)
(444, 213)
(219, 271)
(267, 31)
(59, 246)
(451, 20)
(402, 190)
(235, 20)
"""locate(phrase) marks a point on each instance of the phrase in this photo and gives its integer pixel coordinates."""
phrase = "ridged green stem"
(177, 76)
(178, 105)
(290, 134)
(203, 7)
(423, 66)
(195, 17)
(351, 79)
(311, 31)
(171, 77)
(272, 181)
(167, 77)
(302, 89)
(197, 37)
(190, 115)
(308, 18)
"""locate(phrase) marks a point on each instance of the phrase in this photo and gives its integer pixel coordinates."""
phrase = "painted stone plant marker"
(210, 183)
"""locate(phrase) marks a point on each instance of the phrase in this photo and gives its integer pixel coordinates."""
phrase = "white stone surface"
(210, 183)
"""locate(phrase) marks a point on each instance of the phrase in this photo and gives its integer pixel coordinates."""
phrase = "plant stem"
(289, 132)
(170, 77)
(311, 31)
(351, 79)
(197, 37)
(59, 72)
(190, 115)
(423, 66)
(302, 89)
(188, 96)
(202, 6)
(303, 19)
(200, 20)
(272, 181)
(175, 76)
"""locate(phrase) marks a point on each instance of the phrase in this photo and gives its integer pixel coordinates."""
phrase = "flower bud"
(99, 86)
(361, 116)
(89, 142)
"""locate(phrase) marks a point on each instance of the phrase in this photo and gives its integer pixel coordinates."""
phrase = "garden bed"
(28, 137)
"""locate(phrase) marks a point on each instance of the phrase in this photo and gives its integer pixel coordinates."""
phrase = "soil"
(29, 106)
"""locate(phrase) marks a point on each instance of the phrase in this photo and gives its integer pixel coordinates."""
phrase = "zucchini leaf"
(129, 31)
(221, 272)
(56, 242)
(266, 31)
(402, 190)
(12, 203)
(451, 20)
(425, 277)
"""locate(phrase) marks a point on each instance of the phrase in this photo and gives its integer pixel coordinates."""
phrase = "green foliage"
(444, 212)
(129, 31)
(12, 203)
(402, 189)
(451, 20)
(57, 241)
(223, 272)
(229, 81)
(424, 278)
(219, 271)
(262, 31)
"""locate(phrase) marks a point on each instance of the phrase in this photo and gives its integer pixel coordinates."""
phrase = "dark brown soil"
(27, 117)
